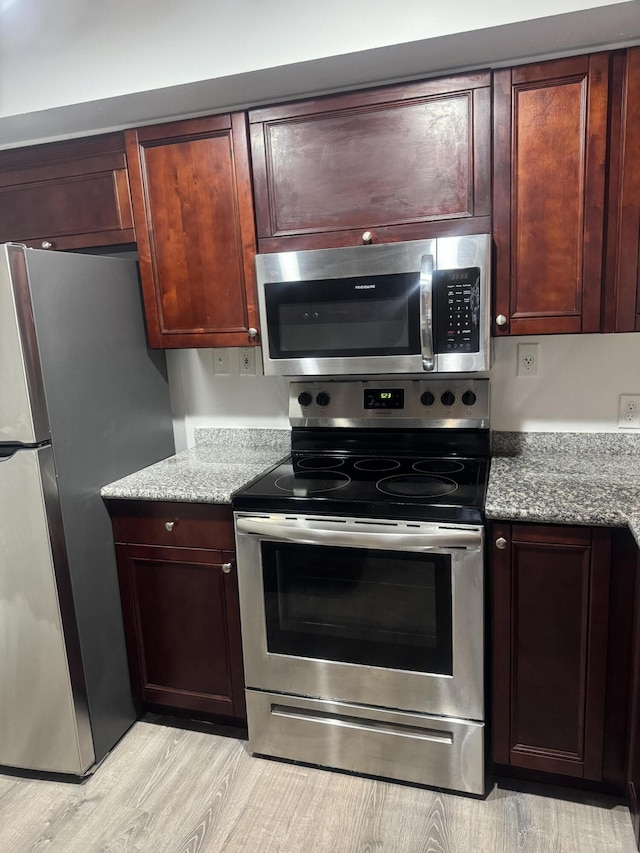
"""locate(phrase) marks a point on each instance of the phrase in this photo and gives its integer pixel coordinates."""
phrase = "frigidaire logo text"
(364, 287)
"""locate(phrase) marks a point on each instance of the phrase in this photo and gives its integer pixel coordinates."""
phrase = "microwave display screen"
(372, 315)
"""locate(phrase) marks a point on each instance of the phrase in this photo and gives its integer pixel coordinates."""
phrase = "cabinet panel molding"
(180, 607)
(397, 161)
(550, 146)
(192, 202)
(66, 195)
(622, 308)
(551, 612)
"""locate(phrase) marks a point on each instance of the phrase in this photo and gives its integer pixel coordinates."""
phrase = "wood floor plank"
(29, 807)
(173, 789)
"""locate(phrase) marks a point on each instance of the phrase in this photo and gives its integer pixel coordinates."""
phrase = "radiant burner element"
(377, 465)
(315, 483)
(417, 485)
(322, 462)
(438, 466)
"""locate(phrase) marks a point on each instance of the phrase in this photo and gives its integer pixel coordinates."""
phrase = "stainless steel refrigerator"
(82, 403)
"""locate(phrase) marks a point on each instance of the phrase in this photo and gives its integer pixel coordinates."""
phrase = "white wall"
(579, 381)
(199, 398)
(70, 51)
(79, 66)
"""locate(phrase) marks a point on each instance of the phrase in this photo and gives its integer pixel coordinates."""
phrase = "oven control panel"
(435, 403)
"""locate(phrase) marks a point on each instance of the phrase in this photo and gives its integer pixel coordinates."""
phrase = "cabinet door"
(550, 599)
(193, 208)
(182, 626)
(550, 137)
(622, 309)
(634, 740)
(402, 162)
(66, 195)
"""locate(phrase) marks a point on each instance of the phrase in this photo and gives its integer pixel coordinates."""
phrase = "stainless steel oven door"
(379, 612)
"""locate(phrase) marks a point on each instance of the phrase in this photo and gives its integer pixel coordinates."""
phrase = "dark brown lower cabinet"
(633, 776)
(551, 589)
(179, 592)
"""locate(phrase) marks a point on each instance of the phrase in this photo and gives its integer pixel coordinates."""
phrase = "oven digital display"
(384, 398)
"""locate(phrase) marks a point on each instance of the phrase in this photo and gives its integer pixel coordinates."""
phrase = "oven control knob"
(469, 398)
(323, 399)
(305, 399)
(427, 399)
(448, 399)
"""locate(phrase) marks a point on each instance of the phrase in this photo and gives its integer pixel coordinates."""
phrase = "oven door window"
(359, 316)
(378, 608)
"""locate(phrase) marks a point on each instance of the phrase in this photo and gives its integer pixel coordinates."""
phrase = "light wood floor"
(168, 789)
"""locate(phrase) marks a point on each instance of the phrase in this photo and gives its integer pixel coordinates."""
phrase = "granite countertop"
(221, 461)
(566, 478)
(554, 478)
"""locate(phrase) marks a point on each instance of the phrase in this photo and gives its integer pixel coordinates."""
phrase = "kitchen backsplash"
(577, 388)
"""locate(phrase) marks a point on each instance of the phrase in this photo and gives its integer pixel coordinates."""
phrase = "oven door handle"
(361, 536)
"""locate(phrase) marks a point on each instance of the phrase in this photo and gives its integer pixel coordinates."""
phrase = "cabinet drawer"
(552, 534)
(173, 524)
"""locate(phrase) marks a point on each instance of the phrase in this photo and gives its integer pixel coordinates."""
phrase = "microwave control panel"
(456, 297)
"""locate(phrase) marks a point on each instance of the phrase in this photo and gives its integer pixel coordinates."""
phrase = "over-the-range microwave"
(409, 307)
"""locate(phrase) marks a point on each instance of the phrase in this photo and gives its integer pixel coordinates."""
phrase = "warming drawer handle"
(362, 723)
(399, 541)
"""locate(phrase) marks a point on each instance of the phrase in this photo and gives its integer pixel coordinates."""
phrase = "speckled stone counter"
(221, 462)
(566, 478)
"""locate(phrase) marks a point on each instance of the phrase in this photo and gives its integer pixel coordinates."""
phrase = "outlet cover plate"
(527, 360)
(221, 363)
(247, 361)
(629, 411)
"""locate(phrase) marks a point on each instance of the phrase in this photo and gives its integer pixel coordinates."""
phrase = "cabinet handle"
(501, 543)
(501, 320)
(367, 237)
(47, 244)
(253, 333)
(169, 525)
(226, 568)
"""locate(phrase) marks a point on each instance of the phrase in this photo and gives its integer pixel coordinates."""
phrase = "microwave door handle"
(426, 312)
(300, 534)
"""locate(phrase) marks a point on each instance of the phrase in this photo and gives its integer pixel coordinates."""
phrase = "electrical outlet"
(527, 360)
(629, 411)
(221, 364)
(247, 361)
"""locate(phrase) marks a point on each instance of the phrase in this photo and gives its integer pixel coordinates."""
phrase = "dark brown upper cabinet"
(622, 306)
(550, 147)
(400, 162)
(66, 195)
(193, 209)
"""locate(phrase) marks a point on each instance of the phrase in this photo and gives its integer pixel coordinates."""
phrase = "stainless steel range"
(361, 573)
